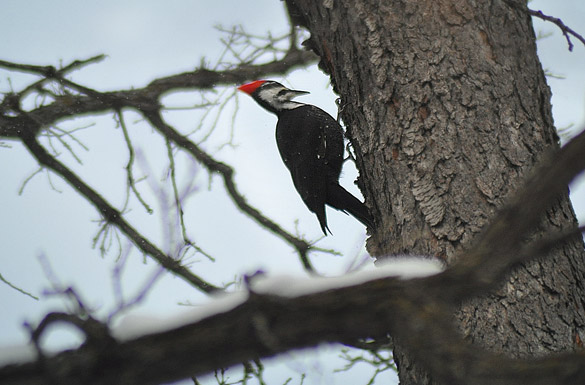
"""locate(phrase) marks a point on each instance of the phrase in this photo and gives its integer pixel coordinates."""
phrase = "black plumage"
(310, 142)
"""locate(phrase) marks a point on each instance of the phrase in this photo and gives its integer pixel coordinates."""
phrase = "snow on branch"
(276, 316)
(414, 304)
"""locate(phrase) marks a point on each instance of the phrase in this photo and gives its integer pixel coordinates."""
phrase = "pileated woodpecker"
(310, 143)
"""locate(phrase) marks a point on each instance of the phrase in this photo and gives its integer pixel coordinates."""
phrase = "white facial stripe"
(292, 105)
(280, 102)
(268, 94)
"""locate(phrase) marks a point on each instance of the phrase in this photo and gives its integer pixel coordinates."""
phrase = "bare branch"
(18, 288)
(497, 249)
(49, 71)
(111, 215)
(146, 101)
(179, 205)
(97, 335)
(226, 172)
(373, 358)
(129, 173)
(50, 134)
(28, 179)
(105, 237)
(69, 105)
(123, 304)
(266, 325)
(559, 23)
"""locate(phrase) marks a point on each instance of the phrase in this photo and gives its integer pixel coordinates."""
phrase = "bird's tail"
(340, 199)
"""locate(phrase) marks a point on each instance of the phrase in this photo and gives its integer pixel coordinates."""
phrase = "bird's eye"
(281, 92)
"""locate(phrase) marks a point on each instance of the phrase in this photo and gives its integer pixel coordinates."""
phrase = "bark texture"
(448, 109)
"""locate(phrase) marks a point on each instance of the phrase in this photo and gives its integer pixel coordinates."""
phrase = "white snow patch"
(407, 267)
(412, 266)
(133, 325)
(402, 267)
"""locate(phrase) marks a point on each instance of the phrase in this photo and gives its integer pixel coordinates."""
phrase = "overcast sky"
(144, 40)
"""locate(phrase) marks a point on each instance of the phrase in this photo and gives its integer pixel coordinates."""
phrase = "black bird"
(310, 142)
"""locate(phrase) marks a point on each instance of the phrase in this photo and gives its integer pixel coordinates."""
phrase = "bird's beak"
(295, 93)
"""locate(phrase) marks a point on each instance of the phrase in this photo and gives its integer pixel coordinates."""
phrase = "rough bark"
(448, 109)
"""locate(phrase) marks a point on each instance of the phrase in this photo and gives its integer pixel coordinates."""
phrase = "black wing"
(310, 143)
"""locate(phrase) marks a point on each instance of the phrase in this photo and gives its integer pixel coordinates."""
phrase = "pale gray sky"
(149, 39)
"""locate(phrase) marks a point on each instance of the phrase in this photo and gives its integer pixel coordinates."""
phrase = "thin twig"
(111, 215)
(47, 71)
(559, 23)
(121, 303)
(18, 288)
(177, 201)
(227, 173)
(146, 99)
(129, 173)
(51, 134)
(105, 236)
(28, 179)
(71, 136)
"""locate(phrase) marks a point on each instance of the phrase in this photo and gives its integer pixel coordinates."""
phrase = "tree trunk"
(448, 109)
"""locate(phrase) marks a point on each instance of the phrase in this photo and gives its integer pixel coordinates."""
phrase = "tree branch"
(146, 100)
(497, 249)
(558, 22)
(417, 313)
(266, 325)
(113, 216)
(50, 71)
(227, 173)
(95, 102)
